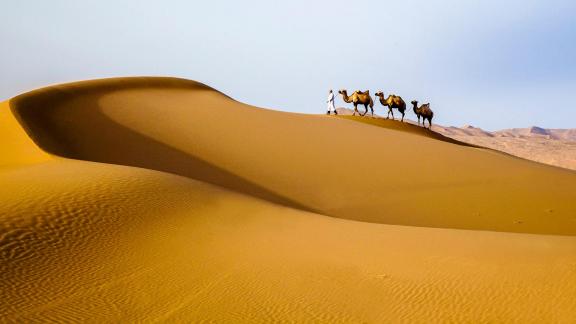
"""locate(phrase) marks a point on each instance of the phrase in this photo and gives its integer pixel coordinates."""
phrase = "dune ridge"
(96, 228)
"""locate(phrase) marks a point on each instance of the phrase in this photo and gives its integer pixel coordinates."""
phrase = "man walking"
(330, 102)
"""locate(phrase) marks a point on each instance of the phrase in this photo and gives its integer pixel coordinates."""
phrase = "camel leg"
(402, 120)
(430, 122)
(392, 111)
(355, 110)
(365, 110)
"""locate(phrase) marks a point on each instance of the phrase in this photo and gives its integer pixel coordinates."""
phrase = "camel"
(358, 97)
(392, 102)
(423, 111)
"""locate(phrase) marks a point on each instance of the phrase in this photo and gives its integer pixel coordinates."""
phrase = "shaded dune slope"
(331, 166)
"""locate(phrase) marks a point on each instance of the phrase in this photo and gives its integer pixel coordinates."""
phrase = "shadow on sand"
(72, 125)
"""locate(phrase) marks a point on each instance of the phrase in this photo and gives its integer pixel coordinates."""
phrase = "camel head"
(414, 102)
(379, 93)
(342, 91)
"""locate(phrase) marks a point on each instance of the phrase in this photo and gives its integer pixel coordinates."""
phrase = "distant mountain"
(530, 132)
(534, 131)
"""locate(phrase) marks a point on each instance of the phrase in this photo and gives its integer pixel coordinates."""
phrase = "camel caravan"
(392, 102)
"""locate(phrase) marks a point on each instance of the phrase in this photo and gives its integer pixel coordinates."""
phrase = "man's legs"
(331, 107)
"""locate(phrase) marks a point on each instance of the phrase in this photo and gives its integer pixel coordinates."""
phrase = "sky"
(488, 63)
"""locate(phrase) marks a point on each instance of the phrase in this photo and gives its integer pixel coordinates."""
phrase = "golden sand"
(190, 206)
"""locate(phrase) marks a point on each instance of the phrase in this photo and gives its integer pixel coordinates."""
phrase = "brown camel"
(358, 97)
(392, 102)
(423, 111)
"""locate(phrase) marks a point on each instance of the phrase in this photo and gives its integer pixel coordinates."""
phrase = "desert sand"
(161, 199)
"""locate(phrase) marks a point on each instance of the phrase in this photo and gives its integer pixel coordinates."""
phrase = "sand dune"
(332, 166)
(207, 209)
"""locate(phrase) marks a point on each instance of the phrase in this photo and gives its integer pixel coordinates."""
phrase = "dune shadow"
(71, 124)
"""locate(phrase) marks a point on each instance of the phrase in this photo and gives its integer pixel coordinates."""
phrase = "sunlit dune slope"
(90, 242)
(17, 148)
(332, 166)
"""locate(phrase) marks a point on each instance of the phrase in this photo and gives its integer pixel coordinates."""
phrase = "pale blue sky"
(489, 63)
